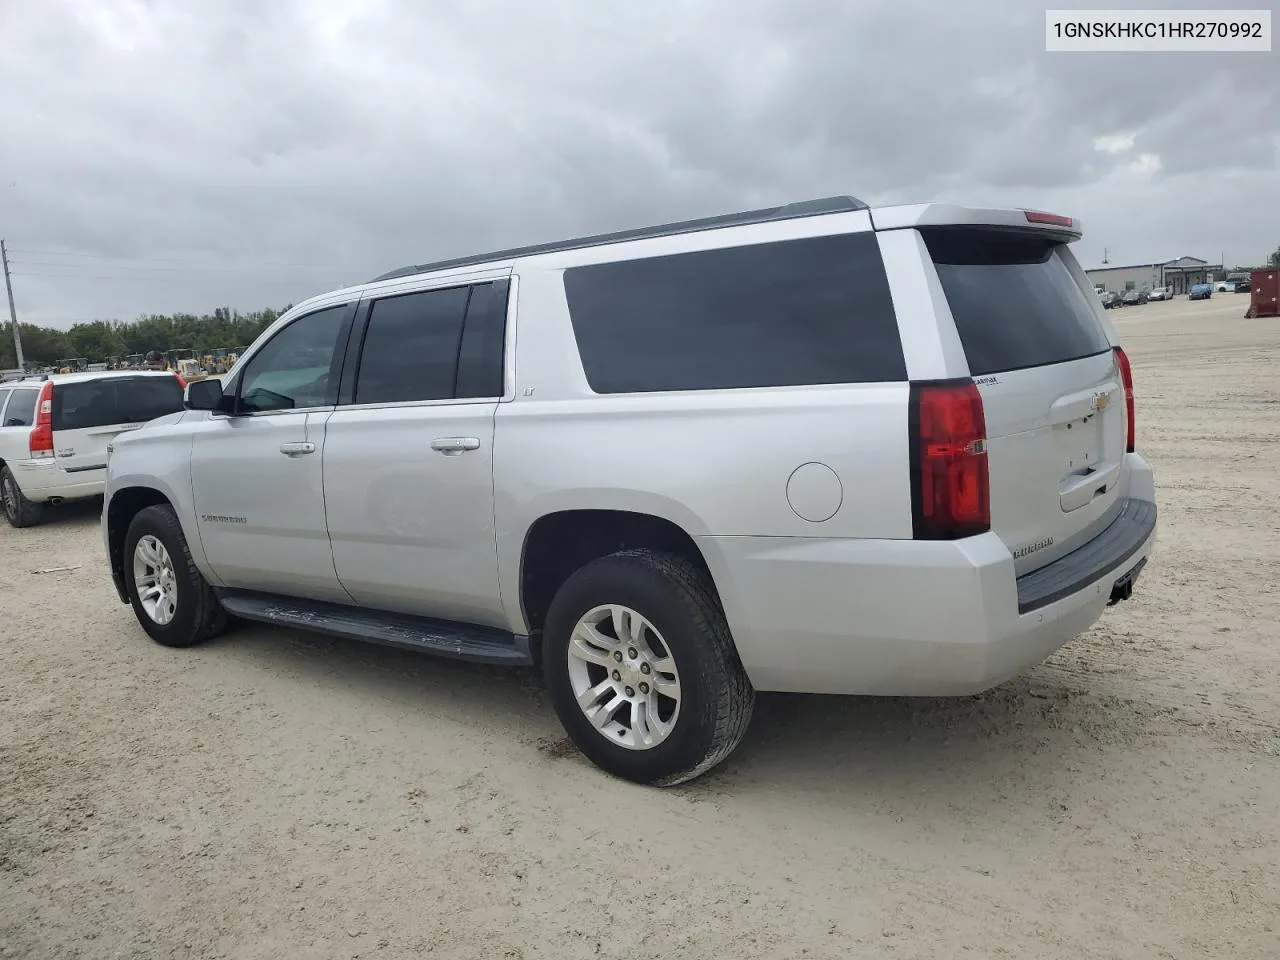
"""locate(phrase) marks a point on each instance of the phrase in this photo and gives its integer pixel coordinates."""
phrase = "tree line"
(100, 339)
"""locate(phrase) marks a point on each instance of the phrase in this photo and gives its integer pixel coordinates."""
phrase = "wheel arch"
(125, 504)
(560, 542)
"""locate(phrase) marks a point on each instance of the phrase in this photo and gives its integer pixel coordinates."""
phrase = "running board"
(462, 641)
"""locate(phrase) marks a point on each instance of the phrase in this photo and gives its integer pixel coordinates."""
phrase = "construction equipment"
(189, 369)
(72, 365)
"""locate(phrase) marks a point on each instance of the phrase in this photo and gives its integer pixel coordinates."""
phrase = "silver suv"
(819, 448)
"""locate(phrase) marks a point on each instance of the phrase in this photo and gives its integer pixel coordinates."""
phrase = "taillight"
(950, 482)
(1126, 378)
(41, 443)
(181, 383)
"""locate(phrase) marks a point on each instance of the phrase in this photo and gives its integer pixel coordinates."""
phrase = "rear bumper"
(44, 480)
(914, 618)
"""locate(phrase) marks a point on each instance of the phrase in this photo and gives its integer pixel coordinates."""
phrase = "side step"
(462, 641)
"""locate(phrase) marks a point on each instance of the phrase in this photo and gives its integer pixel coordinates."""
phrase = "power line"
(143, 279)
(27, 251)
(129, 266)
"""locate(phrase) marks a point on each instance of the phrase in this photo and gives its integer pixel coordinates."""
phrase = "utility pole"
(13, 311)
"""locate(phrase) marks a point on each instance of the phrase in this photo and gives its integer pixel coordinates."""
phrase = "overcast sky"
(165, 155)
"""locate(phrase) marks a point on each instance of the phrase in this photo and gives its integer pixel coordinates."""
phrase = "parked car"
(635, 460)
(1132, 298)
(1241, 283)
(1223, 286)
(54, 432)
(1200, 291)
(1160, 293)
(1108, 299)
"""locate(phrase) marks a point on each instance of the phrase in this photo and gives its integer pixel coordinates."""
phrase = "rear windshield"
(113, 400)
(1015, 304)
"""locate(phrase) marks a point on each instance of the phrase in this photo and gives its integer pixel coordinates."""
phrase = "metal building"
(1179, 274)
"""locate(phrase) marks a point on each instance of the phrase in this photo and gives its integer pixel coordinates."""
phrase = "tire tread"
(30, 513)
(734, 697)
(209, 618)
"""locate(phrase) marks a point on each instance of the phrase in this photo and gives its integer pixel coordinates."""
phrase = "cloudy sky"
(165, 155)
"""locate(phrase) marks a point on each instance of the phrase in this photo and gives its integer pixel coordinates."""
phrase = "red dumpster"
(1264, 293)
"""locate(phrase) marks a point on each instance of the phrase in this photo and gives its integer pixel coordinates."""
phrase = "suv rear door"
(408, 456)
(1051, 388)
(88, 414)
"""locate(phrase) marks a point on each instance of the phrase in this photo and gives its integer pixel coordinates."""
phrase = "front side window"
(295, 369)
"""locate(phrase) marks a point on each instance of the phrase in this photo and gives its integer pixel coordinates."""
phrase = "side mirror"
(204, 395)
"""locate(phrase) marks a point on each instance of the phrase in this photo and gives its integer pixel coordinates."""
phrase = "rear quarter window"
(114, 400)
(1015, 304)
(798, 312)
(21, 408)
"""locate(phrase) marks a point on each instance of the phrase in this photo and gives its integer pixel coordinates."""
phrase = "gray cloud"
(253, 154)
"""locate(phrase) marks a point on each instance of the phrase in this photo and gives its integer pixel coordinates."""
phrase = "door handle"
(298, 449)
(452, 446)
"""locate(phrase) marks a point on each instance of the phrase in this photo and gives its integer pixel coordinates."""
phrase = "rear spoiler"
(1066, 229)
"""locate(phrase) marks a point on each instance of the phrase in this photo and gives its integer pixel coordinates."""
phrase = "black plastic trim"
(351, 352)
(484, 376)
(461, 641)
(1104, 554)
(789, 211)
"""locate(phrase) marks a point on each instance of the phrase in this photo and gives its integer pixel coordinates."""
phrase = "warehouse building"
(1180, 274)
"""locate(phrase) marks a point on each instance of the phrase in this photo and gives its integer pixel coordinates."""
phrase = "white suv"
(54, 432)
(817, 448)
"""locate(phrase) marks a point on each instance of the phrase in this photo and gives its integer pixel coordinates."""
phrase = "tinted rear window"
(1015, 304)
(811, 311)
(112, 400)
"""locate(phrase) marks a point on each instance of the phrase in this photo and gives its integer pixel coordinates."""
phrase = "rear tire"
(170, 597)
(654, 628)
(18, 510)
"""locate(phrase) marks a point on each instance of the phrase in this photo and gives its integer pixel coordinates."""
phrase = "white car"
(1224, 286)
(819, 448)
(54, 431)
(1160, 293)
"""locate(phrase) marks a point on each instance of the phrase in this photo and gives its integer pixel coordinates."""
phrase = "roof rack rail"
(788, 211)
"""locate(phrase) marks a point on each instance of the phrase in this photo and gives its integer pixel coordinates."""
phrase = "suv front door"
(408, 457)
(256, 473)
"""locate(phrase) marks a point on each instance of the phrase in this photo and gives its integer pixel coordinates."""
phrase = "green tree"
(96, 341)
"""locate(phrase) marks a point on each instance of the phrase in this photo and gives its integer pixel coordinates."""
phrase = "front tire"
(641, 668)
(173, 602)
(18, 510)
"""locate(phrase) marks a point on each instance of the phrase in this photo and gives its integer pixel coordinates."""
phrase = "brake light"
(950, 481)
(1039, 216)
(41, 443)
(181, 383)
(1126, 378)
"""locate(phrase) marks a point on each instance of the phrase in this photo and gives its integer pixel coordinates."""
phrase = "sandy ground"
(278, 795)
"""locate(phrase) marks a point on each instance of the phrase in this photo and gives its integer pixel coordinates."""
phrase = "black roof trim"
(788, 211)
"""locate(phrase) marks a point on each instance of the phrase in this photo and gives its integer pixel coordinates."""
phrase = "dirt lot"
(276, 795)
